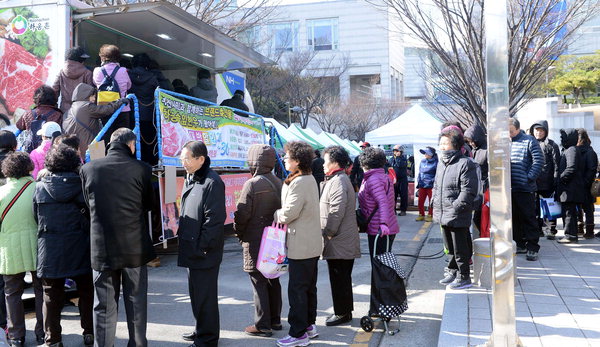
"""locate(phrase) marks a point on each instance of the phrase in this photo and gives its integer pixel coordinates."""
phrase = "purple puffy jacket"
(378, 190)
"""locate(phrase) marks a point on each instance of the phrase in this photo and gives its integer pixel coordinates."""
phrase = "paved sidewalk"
(557, 301)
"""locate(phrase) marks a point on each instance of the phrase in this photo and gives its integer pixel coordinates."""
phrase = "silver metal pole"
(503, 291)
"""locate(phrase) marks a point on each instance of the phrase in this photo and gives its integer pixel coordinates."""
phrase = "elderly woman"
(454, 192)
(300, 211)
(45, 101)
(259, 199)
(63, 241)
(376, 200)
(18, 245)
(338, 224)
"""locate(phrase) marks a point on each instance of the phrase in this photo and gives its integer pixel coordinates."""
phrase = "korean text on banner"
(226, 135)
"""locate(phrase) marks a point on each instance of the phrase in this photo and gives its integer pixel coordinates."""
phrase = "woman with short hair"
(340, 236)
(300, 211)
(46, 108)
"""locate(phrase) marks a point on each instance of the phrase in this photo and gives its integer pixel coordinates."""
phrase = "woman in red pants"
(427, 170)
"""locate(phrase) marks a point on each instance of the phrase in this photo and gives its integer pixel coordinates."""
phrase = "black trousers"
(586, 213)
(569, 211)
(340, 278)
(2, 304)
(302, 294)
(458, 241)
(382, 246)
(543, 194)
(122, 121)
(107, 288)
(205, 307)
(401, 189)
(267, 301)
(525, 226)
(148, 148)
(54, 299)
(14, 285)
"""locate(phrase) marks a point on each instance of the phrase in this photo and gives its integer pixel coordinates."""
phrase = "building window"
(284, 36)
(322, 34)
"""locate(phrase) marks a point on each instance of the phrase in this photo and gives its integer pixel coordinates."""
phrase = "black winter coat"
(202, 220)
(63, 226)
(356, 174)
(318, 171)
(119, 193)
(548, 178)
(238, 103)
(571, 186)
(454, 191)
(143, 85)
(589, 165)
(399, 164)
(480, 152)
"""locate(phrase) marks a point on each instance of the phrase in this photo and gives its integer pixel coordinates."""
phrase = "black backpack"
(31, 139)
(109, 90)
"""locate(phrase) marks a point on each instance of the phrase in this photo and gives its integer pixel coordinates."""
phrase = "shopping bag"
(549, 208)
(272, 261)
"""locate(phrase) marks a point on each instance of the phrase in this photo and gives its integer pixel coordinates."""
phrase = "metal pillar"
(503, 287)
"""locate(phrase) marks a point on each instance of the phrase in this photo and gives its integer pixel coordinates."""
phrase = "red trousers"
(423, 194)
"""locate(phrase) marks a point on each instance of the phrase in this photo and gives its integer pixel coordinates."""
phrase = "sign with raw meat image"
(226, 135)
(25, 54)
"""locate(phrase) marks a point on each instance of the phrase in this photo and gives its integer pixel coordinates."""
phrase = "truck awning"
(167, 29)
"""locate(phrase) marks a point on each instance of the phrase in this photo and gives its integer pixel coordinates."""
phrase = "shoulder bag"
(12, 202)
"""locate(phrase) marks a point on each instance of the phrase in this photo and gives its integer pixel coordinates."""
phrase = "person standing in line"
(237, 101)
(201, 240)
(427, 170)
(72, 73)
(589, 165)
(49, 131)
(18, 246)
(547, 181)
(45, 101)
(317, 169)
(526, 162)
(357, 173)
(8, 144)
(454, 191)
(118, 192)
(376, 197)
(476, 138)
(205, 88)
(63, 242)
(300, 211)
(258, 201)
(399, 163)
(571, 185)
(338, 225)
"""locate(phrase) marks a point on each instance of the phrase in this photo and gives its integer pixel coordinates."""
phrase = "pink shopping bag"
(272, 261)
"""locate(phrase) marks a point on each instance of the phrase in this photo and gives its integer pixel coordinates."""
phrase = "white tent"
(415, 126)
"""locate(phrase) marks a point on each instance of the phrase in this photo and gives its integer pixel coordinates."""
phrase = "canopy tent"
(304, 135)
(415, 126)
(284, 134)
(353, 151)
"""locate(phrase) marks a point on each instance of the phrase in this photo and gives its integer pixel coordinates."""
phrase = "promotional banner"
(170, 212)
(227, 135)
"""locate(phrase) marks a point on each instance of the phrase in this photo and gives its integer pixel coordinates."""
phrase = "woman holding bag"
(258, 201)
(300, 211)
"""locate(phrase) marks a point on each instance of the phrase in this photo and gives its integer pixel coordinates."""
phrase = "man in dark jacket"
(526, 161)
(547, 181)
(571, 185)
(317, 169)
(205, 89)
(258, 201)
(476, 138)
(118, 191)
(201, 228)
(357, 173)
(143, 85)
(237, 101)
(589, 166)
(399, 163)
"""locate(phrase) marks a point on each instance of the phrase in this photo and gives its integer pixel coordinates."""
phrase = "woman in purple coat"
(376, 197)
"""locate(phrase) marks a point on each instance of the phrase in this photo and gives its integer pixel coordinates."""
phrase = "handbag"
(12, 202)
(595, 189)
(363, 223)
(549, 208)
(272, 259)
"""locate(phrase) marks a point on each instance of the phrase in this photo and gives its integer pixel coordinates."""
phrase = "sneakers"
(429, 218)
(276, 326)
(16, 342)
(294, 341)
(551, 235)
(532, 255)
(252, 330)
(311, 331)
(40, 339)
(450, 276)
(568, 239)
(461, 283)
(521, 250)
(402, 213)
(337, 320)
(88, 340)
(420, 218)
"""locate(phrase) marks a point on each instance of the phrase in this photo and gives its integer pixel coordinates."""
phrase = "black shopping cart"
(388, 292)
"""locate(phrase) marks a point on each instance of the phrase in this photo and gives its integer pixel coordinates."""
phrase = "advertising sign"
(170, 212)
(227, 135)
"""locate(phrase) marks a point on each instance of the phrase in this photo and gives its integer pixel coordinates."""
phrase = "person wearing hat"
(427, 170)
(357, 173)
(400, 165)
(48, 131)
(237, 101)
(72, 73)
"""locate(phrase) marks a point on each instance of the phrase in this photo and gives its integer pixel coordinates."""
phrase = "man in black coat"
(357, 173)
(317, 169)
(400, 164)
(570, 188)
(547, 181)
(118, 191)
(201, 228)
(476, 138)
(237, 101)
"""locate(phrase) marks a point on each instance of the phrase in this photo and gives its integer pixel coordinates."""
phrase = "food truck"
(34, 36)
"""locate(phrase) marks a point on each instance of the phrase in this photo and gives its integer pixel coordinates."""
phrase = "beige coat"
(338, 218)
(300, 211)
